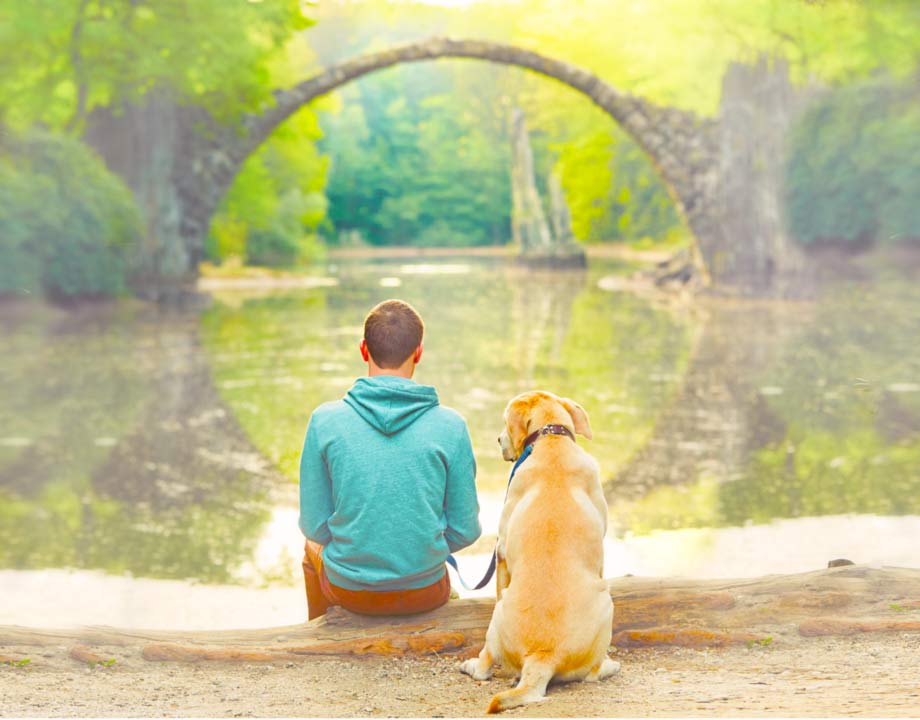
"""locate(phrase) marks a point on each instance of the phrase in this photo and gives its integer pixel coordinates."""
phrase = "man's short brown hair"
(392, 331)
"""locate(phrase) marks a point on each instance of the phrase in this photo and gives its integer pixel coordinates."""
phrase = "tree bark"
(143, 146)
(781, 610)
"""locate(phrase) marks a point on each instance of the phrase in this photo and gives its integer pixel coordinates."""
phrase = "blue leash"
(452, 561)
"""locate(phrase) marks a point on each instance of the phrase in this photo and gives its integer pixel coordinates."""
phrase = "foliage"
(673, 52)
(421, 154)
(853, 168)
(272, 211)
(67, 225)
(62, 58)
(415, 161)
(636, 204)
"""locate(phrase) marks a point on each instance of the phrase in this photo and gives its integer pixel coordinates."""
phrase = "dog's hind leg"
(502, 577)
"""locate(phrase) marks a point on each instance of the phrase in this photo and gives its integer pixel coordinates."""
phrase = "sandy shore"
(833, 642)
(863, 675)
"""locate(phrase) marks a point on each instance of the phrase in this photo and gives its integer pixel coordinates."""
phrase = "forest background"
(420, 154)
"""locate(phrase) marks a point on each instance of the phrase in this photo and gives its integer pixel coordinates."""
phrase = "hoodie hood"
(390, 404)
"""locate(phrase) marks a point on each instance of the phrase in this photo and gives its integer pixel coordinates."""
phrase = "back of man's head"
(393, 331)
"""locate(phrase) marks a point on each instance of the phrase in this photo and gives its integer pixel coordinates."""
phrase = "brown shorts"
(322, 594)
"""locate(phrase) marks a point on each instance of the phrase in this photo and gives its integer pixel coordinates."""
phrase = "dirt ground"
(861, 675)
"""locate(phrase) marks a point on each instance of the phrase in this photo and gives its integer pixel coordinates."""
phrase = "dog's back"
(554, 615)
(555, 556)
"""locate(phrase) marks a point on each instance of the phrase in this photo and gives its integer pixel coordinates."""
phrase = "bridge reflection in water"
(155, 451)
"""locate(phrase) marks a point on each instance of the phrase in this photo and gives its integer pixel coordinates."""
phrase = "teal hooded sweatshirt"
(387, 484)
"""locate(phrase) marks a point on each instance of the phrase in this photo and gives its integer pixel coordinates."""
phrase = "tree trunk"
(780, 610)
(141, 145)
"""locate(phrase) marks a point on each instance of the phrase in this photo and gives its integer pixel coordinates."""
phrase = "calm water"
(148, 458)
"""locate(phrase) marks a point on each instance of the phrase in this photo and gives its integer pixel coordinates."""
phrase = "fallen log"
(648, 611)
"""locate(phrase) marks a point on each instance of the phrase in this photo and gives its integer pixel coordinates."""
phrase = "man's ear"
(579, 417)
(418, 354)
(365, 355)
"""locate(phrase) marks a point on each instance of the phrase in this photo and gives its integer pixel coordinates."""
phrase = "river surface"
(148, 457)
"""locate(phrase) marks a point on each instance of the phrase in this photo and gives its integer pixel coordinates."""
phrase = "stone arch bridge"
(721, 174)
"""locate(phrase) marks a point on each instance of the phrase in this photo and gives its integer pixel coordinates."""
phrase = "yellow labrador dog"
(554, 616)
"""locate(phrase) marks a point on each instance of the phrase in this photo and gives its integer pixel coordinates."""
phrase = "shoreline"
(841, 641)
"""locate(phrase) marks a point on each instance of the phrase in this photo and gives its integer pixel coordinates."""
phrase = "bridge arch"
(680, 144)
(723, 173)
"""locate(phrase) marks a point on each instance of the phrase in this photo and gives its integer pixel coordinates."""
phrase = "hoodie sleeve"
(315, 489)
(461, 505)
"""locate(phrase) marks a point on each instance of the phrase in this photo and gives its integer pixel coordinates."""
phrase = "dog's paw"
(471, 668)
(608, 667)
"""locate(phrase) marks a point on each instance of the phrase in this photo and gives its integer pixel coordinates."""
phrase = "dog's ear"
(579, 417)
(517, 425)
(517, 422)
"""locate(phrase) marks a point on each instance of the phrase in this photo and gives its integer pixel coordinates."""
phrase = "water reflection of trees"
(719, 414)
(850, 440)
(788, 411)
(139, 442)
(541, 316)
(491, 332)
(127, 460)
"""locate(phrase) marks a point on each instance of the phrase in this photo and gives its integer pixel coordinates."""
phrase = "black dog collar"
(551, 429)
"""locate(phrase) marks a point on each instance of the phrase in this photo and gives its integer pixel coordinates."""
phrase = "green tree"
(675, 52)
(418, 160)
(854, 167)
(67, 225)
(63, 58)
(76, 66)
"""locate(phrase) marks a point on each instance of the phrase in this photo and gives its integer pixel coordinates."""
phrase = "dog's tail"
(536, 673)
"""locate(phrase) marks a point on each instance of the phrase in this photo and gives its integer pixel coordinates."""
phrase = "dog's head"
(532, 410)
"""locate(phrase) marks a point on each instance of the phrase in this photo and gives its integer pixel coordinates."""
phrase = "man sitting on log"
(387, 482)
